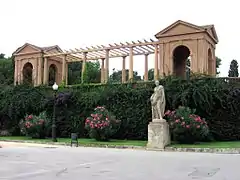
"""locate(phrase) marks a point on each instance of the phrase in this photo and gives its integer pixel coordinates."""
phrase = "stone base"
(158, 134)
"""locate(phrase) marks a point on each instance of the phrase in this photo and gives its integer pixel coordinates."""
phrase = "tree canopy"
(6, 70)
(233, 70)
(116, 76)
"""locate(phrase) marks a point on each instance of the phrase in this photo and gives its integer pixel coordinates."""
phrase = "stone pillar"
(214, 63)
(156, 63)
(40, 64)
(102, 72)
(107, 65)
(158, 134)
(45, 71)
(131, 64)
(83, 66)
(16, 73)
(124, 69)
(66, 80)
(163, 65)
(19, 79)
(146, 68)
(64, 68)
(35, 72)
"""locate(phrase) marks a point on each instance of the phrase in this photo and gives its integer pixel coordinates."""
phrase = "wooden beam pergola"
(116, 50)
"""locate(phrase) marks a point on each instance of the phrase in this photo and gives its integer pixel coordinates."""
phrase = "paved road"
(40, 163)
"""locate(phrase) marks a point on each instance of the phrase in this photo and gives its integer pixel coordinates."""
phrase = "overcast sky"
(80, 23)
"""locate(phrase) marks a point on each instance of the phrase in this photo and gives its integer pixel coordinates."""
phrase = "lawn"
(81, 141)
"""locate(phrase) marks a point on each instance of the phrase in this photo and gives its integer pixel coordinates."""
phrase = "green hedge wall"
(214, 99)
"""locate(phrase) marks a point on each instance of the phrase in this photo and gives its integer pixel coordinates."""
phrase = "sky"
(80, 23)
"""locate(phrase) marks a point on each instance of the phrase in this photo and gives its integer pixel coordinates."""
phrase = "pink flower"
(167, 113)
(187, 126)
(198, 126)
(183, 123)
(177, 121)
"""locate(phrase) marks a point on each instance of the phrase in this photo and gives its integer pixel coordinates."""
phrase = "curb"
(167, 149)
(79, 145)
(205, 150)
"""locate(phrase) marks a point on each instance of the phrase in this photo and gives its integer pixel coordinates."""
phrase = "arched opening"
(52, 74)
(181, 61)
(210, 62)
(27, 73)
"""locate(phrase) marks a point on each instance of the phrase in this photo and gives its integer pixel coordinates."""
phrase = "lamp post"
(188, 72)
(54, 138)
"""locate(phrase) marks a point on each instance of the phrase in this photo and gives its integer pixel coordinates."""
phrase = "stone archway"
(27, 73)
(181, 60)
(52, 74)
(210, 62)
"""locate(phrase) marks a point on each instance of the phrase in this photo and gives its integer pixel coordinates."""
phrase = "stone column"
(107, 66)
(19, 76)
(35, 74)
(214, 62)
(40, 64)
(45, 71)
(66, 80)
(131, 64)
(64, 68)
(16, 73)
(156, 63)
(162, 65)
(102, 71)
(123, 69)
(83, 66)
(146, 68)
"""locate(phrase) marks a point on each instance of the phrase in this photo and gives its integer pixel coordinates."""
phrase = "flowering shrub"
(34, 126)
(101, 124)
(185, 126)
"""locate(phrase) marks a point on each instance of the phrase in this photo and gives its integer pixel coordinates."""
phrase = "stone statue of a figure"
(158, 102)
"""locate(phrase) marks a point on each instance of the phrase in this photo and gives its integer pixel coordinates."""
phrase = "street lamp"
(188, 72)
(54, 138)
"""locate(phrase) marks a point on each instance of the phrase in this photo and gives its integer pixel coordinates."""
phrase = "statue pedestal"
(158, 134)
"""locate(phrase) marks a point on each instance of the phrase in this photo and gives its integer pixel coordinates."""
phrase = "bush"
(185, 126)
(215, 99)
(67, 113)
(102, 124)
(35, 126)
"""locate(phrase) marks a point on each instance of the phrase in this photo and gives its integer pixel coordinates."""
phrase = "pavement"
(46, 162)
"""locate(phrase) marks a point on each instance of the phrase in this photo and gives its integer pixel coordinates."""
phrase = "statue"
(158, 102)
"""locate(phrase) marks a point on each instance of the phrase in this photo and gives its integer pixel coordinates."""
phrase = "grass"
(81, 141)
(225, 144)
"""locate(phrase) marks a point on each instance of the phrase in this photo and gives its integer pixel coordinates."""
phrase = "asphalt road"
(40, 163)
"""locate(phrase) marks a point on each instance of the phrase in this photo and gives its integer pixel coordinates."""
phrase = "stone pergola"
(171, 48)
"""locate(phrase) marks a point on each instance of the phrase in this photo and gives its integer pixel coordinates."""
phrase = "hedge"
(214, 99)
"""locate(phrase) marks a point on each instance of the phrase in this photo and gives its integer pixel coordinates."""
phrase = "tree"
(116, 76)
(6, 70)
(92, 72)
(74, 73)
(233, 70)
(218, 64)
(2, 56)
(151, 74)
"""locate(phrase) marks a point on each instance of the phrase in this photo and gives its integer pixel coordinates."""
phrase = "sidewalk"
(18, 144)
